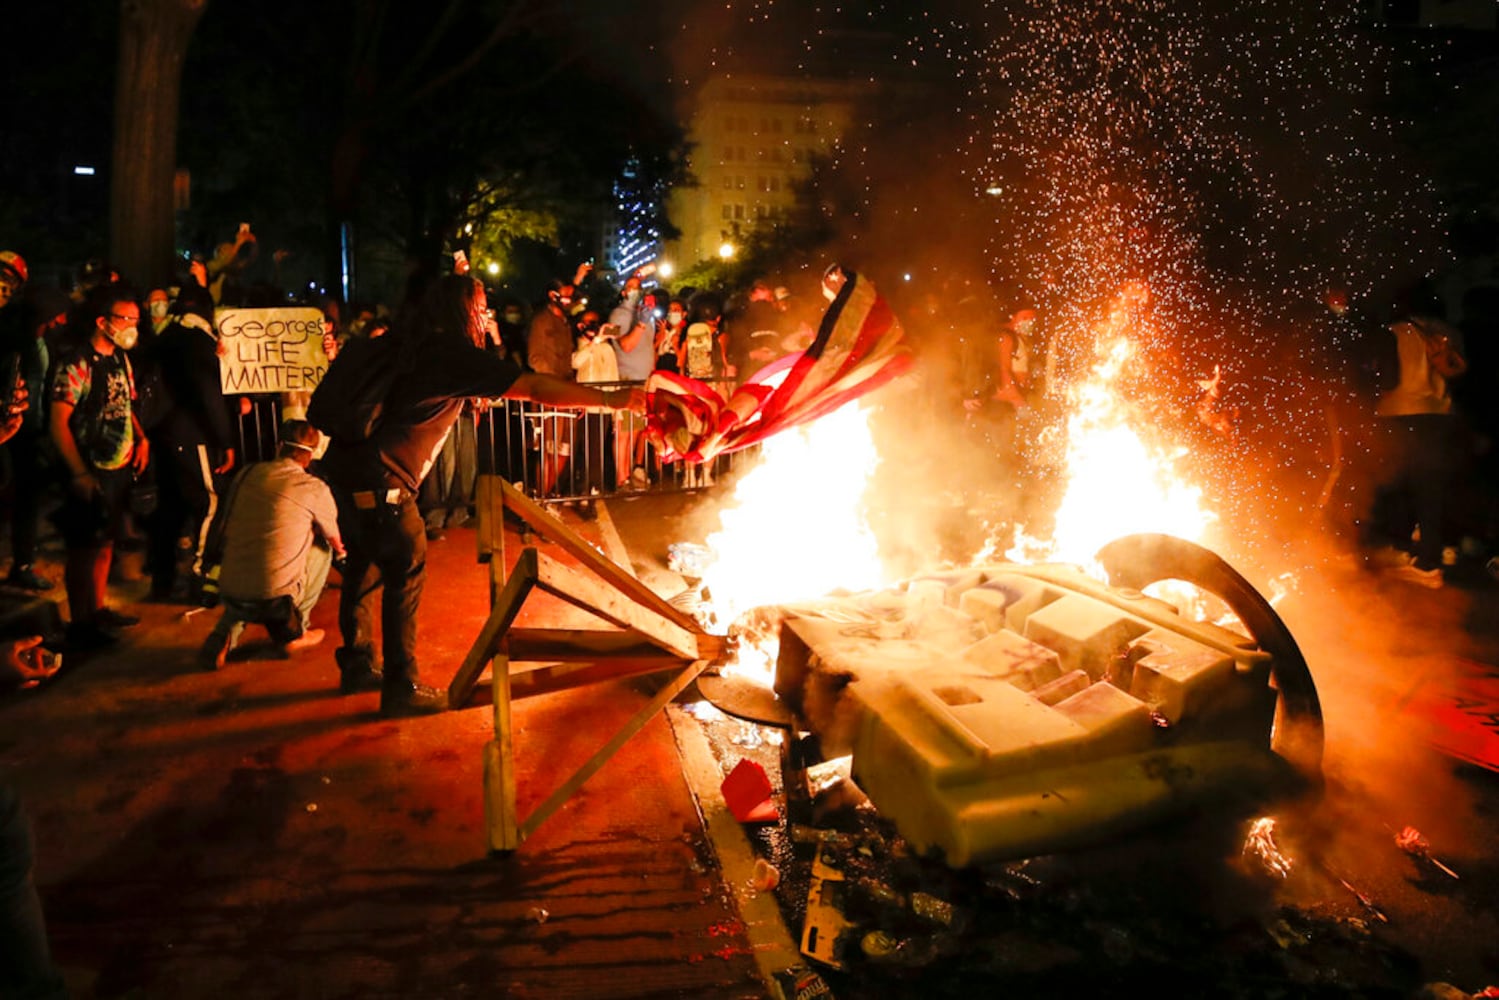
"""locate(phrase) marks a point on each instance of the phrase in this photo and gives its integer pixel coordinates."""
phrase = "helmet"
(15, 264)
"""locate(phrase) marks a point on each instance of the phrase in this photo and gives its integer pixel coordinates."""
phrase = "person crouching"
(272, 566)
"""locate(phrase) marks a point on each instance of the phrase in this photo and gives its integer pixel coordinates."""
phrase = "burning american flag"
(859, 347)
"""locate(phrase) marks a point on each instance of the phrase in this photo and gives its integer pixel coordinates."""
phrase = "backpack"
(348, 403)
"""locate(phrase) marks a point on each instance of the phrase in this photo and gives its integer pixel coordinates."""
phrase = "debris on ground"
(748, 793)
(876, 920)
(1412, 842)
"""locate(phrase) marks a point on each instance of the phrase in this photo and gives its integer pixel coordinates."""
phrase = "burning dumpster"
(1011, 710)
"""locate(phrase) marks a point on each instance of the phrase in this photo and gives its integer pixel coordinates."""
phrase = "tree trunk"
(154, 36)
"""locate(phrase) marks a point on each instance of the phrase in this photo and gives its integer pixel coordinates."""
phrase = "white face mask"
(124, 337)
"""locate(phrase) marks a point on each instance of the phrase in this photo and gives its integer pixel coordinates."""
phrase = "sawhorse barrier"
(648, 635)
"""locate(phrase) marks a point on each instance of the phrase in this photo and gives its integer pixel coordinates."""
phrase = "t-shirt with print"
(700, 350)
(100, 389)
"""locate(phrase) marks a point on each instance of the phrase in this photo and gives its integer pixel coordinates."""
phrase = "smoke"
(1226, 163)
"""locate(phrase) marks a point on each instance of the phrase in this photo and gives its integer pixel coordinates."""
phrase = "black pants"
(187, 498)
(1419, 464)
(26, 968)
(387, 546)
(26, 483)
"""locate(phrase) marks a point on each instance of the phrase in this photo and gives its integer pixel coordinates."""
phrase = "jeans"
(237, 613)
(387, 546)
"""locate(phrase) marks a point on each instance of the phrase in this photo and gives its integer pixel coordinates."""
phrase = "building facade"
(753, 140)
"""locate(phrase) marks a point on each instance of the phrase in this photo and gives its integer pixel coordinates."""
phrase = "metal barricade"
(551, 454)
(557, 455)
(259, 427)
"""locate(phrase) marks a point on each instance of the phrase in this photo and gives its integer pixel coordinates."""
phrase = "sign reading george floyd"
(270, 350)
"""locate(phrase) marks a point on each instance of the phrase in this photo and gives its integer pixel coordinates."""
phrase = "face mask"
(124, 337)
(675, 318)
(158, 309)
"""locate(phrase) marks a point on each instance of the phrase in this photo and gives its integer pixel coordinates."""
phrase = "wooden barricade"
(648, 634)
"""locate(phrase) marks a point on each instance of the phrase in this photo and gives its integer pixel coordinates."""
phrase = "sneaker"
(420, 700)
(84, 636)
(1412, 573)
(27, 579)
(110, 618)
(638, 478)
(306, 640)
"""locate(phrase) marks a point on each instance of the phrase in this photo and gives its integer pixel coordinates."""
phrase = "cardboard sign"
(270, 350)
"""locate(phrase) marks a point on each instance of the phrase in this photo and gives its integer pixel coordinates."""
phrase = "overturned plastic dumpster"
(1010, 710)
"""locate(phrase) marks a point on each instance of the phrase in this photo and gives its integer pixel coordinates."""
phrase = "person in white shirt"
(280, 536)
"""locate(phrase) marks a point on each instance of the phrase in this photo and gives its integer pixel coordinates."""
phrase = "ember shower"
(1229, 156)
(1221, 163)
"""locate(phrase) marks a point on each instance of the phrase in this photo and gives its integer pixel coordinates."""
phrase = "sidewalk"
(251, 833)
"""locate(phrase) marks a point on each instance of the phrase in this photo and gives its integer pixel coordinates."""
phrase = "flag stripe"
(858, 348)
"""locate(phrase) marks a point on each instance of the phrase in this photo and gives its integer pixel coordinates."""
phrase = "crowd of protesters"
(129, 445)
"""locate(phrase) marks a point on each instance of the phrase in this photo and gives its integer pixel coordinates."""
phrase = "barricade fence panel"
(551, 454)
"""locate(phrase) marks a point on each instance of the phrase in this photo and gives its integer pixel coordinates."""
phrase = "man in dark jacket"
(194, 437)
(375, 482)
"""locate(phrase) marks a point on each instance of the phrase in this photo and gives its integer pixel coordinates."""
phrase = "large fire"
(796, 529)
(1117, 484)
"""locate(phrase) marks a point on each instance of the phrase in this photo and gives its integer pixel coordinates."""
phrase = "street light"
(493, 268)
(665, 269)
(726, 250)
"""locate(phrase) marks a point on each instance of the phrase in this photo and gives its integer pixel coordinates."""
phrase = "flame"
(796, 529)
(1260, 845)
(1117, 484)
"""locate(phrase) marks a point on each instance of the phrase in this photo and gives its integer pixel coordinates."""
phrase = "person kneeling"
(272, 569)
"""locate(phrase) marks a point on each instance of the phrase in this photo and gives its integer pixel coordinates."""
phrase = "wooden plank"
(489, 515)
(522, 579)
(590, 768)
(528, 645)
(582, 550)
(613, 605)
(558, 644)
(550, 678)
(501, 819)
